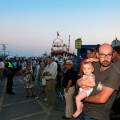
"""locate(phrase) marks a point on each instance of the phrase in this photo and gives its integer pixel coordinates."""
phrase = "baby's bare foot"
(76, 114)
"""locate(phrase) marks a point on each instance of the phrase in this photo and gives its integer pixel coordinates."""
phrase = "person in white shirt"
(50, 73)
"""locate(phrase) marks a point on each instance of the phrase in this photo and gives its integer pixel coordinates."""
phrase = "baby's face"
(87, 69)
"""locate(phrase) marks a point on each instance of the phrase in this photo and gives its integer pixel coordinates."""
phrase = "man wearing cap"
(9, 75)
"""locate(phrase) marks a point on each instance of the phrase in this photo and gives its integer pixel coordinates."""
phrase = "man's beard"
(105, 63)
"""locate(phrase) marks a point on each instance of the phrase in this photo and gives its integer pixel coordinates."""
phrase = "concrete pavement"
(18, 107)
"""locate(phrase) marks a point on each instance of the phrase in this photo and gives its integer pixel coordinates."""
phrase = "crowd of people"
(95, 79)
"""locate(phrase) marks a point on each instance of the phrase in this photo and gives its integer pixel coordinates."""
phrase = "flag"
(58, 33)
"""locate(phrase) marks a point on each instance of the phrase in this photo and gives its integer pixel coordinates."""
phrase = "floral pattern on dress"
(28, 78)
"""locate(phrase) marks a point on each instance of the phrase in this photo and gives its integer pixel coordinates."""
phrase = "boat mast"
(69, 45)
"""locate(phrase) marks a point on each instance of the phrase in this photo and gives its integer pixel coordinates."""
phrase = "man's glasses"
(105, 55)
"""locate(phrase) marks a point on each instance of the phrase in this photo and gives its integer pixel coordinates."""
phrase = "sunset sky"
(28, 27)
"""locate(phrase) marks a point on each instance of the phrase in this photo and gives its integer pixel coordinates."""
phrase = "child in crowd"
(41, 83)
(88, 80)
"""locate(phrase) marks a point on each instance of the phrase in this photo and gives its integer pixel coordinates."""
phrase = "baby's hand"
(86, 79)
(86, 88)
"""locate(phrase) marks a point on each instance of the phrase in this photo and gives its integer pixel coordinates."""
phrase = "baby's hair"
(85, 62)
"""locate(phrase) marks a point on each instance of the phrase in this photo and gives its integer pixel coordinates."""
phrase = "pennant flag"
(58, 33)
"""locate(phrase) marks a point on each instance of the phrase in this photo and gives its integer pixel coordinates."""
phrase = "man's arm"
(92, 60)
(7, 69)
(102, 97)
(47, 74)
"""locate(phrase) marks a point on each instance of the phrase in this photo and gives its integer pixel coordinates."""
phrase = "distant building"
(115, 42)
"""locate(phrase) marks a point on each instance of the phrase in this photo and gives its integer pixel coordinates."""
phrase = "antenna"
(3, 51)
(3, 46)
(69, 44)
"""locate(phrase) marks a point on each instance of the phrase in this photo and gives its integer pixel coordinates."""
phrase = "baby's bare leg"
(79, 104)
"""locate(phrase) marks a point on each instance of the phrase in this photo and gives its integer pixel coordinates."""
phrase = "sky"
(28, 27)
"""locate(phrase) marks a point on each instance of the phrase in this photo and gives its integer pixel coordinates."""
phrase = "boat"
(60, 50)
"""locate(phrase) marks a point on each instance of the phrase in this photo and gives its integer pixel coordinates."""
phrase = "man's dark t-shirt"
(69, 75)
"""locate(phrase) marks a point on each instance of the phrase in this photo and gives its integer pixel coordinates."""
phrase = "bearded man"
(107, 77)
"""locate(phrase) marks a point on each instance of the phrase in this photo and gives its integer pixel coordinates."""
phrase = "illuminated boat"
(59, 49)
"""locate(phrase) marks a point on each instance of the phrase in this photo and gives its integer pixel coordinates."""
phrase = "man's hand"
(92, 60)
(84, 80)
(46, 74)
